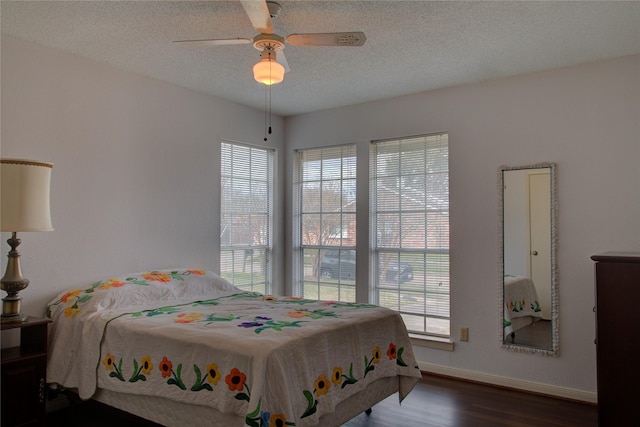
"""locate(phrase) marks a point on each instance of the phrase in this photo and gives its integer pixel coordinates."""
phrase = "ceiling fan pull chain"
(265, 113)
(270, 109)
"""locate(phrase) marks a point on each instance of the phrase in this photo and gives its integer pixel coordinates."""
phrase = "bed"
(185, 347)
(521, 304)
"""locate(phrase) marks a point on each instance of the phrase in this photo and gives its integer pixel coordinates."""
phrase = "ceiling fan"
(271, 67)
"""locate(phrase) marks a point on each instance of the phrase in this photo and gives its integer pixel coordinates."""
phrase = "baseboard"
(513, 383)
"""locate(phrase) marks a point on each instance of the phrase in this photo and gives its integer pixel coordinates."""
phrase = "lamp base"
(12, 310)
(14, 318)
(12, 283)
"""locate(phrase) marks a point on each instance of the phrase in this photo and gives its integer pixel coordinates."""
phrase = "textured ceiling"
(412, 46)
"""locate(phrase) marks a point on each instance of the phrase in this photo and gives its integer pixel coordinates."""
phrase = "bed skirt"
(171, 413)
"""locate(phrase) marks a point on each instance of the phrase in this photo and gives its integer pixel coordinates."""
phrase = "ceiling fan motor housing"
(274, 41)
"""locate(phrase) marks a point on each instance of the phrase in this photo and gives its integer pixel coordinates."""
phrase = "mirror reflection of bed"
(524, 321)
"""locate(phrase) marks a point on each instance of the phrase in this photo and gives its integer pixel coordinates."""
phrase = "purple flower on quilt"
(250, 324)
(263, 318)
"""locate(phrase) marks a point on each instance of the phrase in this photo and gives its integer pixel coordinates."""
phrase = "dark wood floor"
(434, 402)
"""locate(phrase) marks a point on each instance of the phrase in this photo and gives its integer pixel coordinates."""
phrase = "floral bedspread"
(272, 360)
(520, 299)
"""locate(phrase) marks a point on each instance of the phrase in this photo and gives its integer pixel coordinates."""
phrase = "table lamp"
(24, 194)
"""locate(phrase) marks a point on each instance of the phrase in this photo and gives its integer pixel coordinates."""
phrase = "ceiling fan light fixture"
(268, 71)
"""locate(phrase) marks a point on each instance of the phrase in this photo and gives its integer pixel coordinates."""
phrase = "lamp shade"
(268, 71)
(24, 194)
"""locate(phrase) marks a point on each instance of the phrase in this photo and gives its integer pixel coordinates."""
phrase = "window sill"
(431, 342)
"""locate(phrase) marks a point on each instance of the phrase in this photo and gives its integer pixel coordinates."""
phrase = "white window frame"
(413, 202)
(334, 229)
(238, 253)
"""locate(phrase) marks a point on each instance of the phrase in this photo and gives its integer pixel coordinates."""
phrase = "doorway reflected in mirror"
(527, 258)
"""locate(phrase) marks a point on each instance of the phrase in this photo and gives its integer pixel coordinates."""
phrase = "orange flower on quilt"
(188, 317)
(70, 294)
(298, 314)
(336, 378)
(196, 272)
(165, 367)
(213, 374)
(322, 385)
(111, 283)
(375, 354)
(109, 362)
(277, 420)
(269, 298)
(156, 276)
(147, 366)
(235, 380)
(391, 351)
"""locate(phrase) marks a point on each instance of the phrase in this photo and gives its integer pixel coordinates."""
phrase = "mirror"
(528, 274)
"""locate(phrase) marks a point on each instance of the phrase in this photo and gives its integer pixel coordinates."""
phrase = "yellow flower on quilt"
(109, 362)
(336, 378)
(147, 366)
(322, 385)
(71, 311)
(277, 420)
(156, 276)
(376, 354)
(269, 298)
(213, 373)
(188, 317)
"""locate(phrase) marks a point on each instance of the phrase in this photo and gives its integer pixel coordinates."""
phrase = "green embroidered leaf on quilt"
(369, 365)
(200, 382)
(349, 380)
(137, 282)
(176, 275)
(399, 360)
(242, 396)
(312, 404)
(278, 325)
(256, 411)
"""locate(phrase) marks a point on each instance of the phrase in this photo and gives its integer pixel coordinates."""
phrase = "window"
(325, 218)
(409, 202)
(246, 216)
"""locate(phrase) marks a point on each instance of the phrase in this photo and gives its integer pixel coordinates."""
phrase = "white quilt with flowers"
(190, 336)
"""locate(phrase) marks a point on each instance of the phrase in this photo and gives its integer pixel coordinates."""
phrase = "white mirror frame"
(555, 341)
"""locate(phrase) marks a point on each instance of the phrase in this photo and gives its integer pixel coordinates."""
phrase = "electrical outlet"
(464, 334)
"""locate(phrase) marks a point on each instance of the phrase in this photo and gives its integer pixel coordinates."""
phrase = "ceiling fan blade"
(356, 38)
(215, 42)
(283, 61)
(259, 15)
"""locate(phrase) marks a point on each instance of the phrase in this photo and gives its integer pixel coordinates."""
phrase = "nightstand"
(24, 374)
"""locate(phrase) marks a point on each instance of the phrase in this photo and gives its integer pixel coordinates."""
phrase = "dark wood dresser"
(617, 338)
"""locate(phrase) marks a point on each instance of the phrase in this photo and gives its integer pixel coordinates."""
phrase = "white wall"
(136, 176)
(587, 120)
